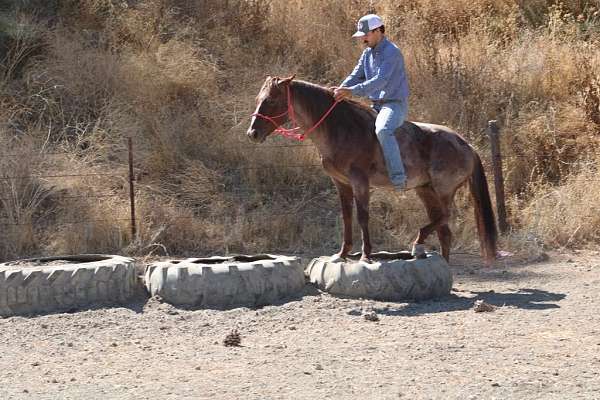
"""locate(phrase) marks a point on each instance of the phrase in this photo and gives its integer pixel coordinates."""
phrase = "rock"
(371, 316)
(482, 306)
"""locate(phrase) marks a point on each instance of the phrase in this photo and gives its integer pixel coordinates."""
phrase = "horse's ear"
(286, 80)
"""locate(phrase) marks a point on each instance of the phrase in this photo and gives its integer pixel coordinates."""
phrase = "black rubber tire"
(222, 282)
(42, 285)
(390, 277)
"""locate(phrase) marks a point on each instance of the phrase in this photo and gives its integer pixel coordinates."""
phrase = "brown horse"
(438, 161)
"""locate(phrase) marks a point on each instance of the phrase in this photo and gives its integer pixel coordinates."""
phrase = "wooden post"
(131, 190)
(494, 133)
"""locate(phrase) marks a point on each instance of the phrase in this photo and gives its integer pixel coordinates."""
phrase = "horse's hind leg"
(437, 213)
(443, 230)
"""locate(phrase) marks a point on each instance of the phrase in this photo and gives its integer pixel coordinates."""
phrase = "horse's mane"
(347, 117)
(326, 94)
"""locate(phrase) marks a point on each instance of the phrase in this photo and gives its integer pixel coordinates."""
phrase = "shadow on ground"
(527, 299)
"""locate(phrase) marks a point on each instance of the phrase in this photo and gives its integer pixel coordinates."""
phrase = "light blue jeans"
(391, 115)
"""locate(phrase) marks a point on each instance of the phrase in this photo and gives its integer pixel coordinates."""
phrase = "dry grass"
(567, 215)
(180, 79)
(23, 199)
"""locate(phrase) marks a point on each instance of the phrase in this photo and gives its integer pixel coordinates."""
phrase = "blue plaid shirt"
(379, 74)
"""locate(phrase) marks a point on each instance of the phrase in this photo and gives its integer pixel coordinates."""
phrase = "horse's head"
(271, 108)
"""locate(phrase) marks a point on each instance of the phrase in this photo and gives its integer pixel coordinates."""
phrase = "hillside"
(78, 78)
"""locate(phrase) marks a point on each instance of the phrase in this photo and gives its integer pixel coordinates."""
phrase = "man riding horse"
(380, 76)
(360, 148)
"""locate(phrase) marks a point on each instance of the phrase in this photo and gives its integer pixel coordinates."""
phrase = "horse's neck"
(300, 98)
(307, 118)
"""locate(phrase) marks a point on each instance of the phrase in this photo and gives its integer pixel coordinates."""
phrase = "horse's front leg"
(345, 193)
(360, 187)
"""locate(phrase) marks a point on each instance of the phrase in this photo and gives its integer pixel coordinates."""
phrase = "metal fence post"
(131, 190)
(494, 133)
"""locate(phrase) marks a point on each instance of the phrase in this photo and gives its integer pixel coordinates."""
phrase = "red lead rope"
(291, 133)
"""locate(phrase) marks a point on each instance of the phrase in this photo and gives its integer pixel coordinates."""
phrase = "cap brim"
(359, 34)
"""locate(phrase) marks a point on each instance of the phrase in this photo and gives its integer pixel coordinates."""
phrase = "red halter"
(291, 133)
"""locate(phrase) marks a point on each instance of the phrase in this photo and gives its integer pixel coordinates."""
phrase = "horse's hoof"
(365, 260)
(337, 258)
(418, 251)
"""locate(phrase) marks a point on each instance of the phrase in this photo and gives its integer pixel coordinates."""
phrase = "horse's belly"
(333, 172)
(380, 179)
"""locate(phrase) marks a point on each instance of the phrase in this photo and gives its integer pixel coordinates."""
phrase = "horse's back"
(435, 151)
(422, 131)
(432, 138)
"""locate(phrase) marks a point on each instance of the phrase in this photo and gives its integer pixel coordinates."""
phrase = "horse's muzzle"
(255, 136)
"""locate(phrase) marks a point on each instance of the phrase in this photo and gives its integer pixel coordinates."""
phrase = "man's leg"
(390, 117)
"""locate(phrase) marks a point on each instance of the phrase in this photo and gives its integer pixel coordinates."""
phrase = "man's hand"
(341, 93)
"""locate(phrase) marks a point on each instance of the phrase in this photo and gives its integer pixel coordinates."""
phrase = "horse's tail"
(484, 214)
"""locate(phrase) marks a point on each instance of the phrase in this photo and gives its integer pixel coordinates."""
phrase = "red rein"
(291, 133)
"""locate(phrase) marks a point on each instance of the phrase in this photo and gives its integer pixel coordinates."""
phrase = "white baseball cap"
(368, 23)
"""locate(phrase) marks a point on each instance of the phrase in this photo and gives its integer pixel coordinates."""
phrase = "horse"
(437, 160)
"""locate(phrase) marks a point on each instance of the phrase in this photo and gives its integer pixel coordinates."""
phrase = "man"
(380, 76)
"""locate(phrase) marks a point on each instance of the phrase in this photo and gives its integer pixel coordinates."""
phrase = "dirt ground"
(542, 342)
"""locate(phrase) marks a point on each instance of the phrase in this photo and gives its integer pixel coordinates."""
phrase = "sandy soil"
(543, 342)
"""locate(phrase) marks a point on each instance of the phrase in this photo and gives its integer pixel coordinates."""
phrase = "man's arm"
(358, 73)
(378, 82)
